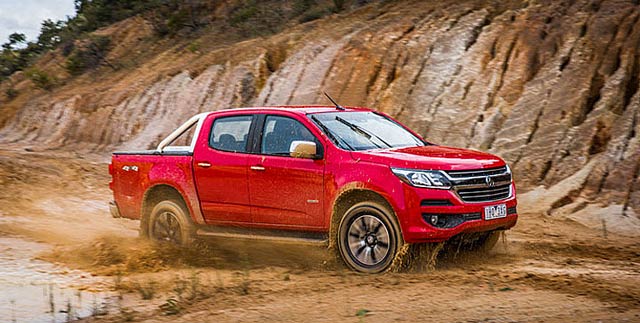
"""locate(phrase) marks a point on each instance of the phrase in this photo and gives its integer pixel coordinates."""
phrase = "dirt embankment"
(550, 86)
(549, 268)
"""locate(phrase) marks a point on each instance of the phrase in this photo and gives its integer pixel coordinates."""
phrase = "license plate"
(495, 211)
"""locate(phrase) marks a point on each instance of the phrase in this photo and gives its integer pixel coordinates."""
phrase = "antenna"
(339, 107)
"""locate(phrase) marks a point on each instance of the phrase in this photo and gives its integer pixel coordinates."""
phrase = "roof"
(304, 109)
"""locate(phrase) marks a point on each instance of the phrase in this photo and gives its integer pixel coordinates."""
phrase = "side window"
(280, 132)
(231, 133)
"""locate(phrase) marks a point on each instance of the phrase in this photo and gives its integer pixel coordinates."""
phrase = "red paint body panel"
(431, 158)
(223, 188)
(299, 194)
(288, 193)
(130, 185)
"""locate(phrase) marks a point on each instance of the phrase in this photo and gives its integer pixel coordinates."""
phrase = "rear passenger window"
(231, 133)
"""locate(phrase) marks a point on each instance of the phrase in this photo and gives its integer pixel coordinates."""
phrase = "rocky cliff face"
(551, 86)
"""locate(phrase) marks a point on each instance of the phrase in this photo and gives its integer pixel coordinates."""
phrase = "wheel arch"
(154, 195)
(350, 197)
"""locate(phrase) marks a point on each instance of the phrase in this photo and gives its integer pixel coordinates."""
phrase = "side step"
(278, 236)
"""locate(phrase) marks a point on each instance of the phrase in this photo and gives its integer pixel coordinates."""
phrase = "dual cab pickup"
(352, 178)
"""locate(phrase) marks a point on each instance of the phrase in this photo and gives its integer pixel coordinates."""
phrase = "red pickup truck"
(351, 178)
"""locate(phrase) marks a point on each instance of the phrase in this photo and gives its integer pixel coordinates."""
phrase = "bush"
(194, 47)
(178, 16)
(313, 14)
(11, 93)
(339, 5)
(243, 14)
(41, 79)
(89, 55)
(67, 48)
(254, 18)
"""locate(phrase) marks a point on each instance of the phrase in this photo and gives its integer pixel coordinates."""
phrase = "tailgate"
(127, 173)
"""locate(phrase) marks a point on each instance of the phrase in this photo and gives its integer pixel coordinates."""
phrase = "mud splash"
(416, 257)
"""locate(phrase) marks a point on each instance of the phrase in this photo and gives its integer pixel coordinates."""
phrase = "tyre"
(487, 241)
(368, 237)
(170, 222)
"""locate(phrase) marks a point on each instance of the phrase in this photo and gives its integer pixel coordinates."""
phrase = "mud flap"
(113, 208)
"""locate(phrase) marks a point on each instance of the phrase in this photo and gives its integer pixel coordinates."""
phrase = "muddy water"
(32, 290)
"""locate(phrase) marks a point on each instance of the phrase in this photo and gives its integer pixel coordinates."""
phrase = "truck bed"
(135, 172)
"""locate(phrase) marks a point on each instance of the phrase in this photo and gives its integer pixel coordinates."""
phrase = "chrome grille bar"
(481, 185)
(477, 172)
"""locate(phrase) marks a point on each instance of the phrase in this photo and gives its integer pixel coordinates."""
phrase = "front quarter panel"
(348, 174)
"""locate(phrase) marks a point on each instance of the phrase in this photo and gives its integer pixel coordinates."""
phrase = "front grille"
(481, 185)
(477, 172)
(482, 180)
(485, 194)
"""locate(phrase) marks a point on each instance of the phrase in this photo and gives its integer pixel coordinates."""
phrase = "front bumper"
(113, 208)
(469, 217)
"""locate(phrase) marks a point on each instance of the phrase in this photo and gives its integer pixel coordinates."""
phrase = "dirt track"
(548, 269)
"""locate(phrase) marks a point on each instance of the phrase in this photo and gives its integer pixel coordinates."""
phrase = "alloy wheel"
(368, 240)
(167, 228)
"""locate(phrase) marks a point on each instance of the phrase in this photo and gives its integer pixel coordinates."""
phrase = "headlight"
(423, 178)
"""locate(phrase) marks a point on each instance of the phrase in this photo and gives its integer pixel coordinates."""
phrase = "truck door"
(220, 170)
(285, 192)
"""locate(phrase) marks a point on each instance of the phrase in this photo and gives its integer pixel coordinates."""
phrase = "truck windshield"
(364, 131)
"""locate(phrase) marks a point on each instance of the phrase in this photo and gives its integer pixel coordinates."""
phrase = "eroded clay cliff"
(551, 86)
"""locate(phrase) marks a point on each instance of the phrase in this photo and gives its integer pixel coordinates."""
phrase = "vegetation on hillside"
(85, 51)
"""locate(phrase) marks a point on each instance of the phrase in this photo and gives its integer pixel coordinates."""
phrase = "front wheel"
(487, 241)
(169, 222)
(368, 238)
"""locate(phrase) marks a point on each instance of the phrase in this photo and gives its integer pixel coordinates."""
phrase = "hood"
(430, 157)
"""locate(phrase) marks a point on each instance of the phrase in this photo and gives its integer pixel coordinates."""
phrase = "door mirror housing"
(303, 149)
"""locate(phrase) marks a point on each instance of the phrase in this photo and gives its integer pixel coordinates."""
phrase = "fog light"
(434, 219)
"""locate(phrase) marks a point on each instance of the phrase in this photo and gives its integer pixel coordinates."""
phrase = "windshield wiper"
(329, 133)
(362, 132)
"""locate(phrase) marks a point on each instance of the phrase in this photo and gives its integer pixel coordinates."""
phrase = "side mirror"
(303, 149)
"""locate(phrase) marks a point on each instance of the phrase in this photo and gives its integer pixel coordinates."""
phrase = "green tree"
(14, 39)
(50, 34)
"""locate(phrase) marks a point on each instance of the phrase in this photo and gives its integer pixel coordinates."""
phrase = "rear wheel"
(368, 237)
(169, 222)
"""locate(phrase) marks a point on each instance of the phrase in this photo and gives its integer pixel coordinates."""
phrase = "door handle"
(257, 168)
(204, 164)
